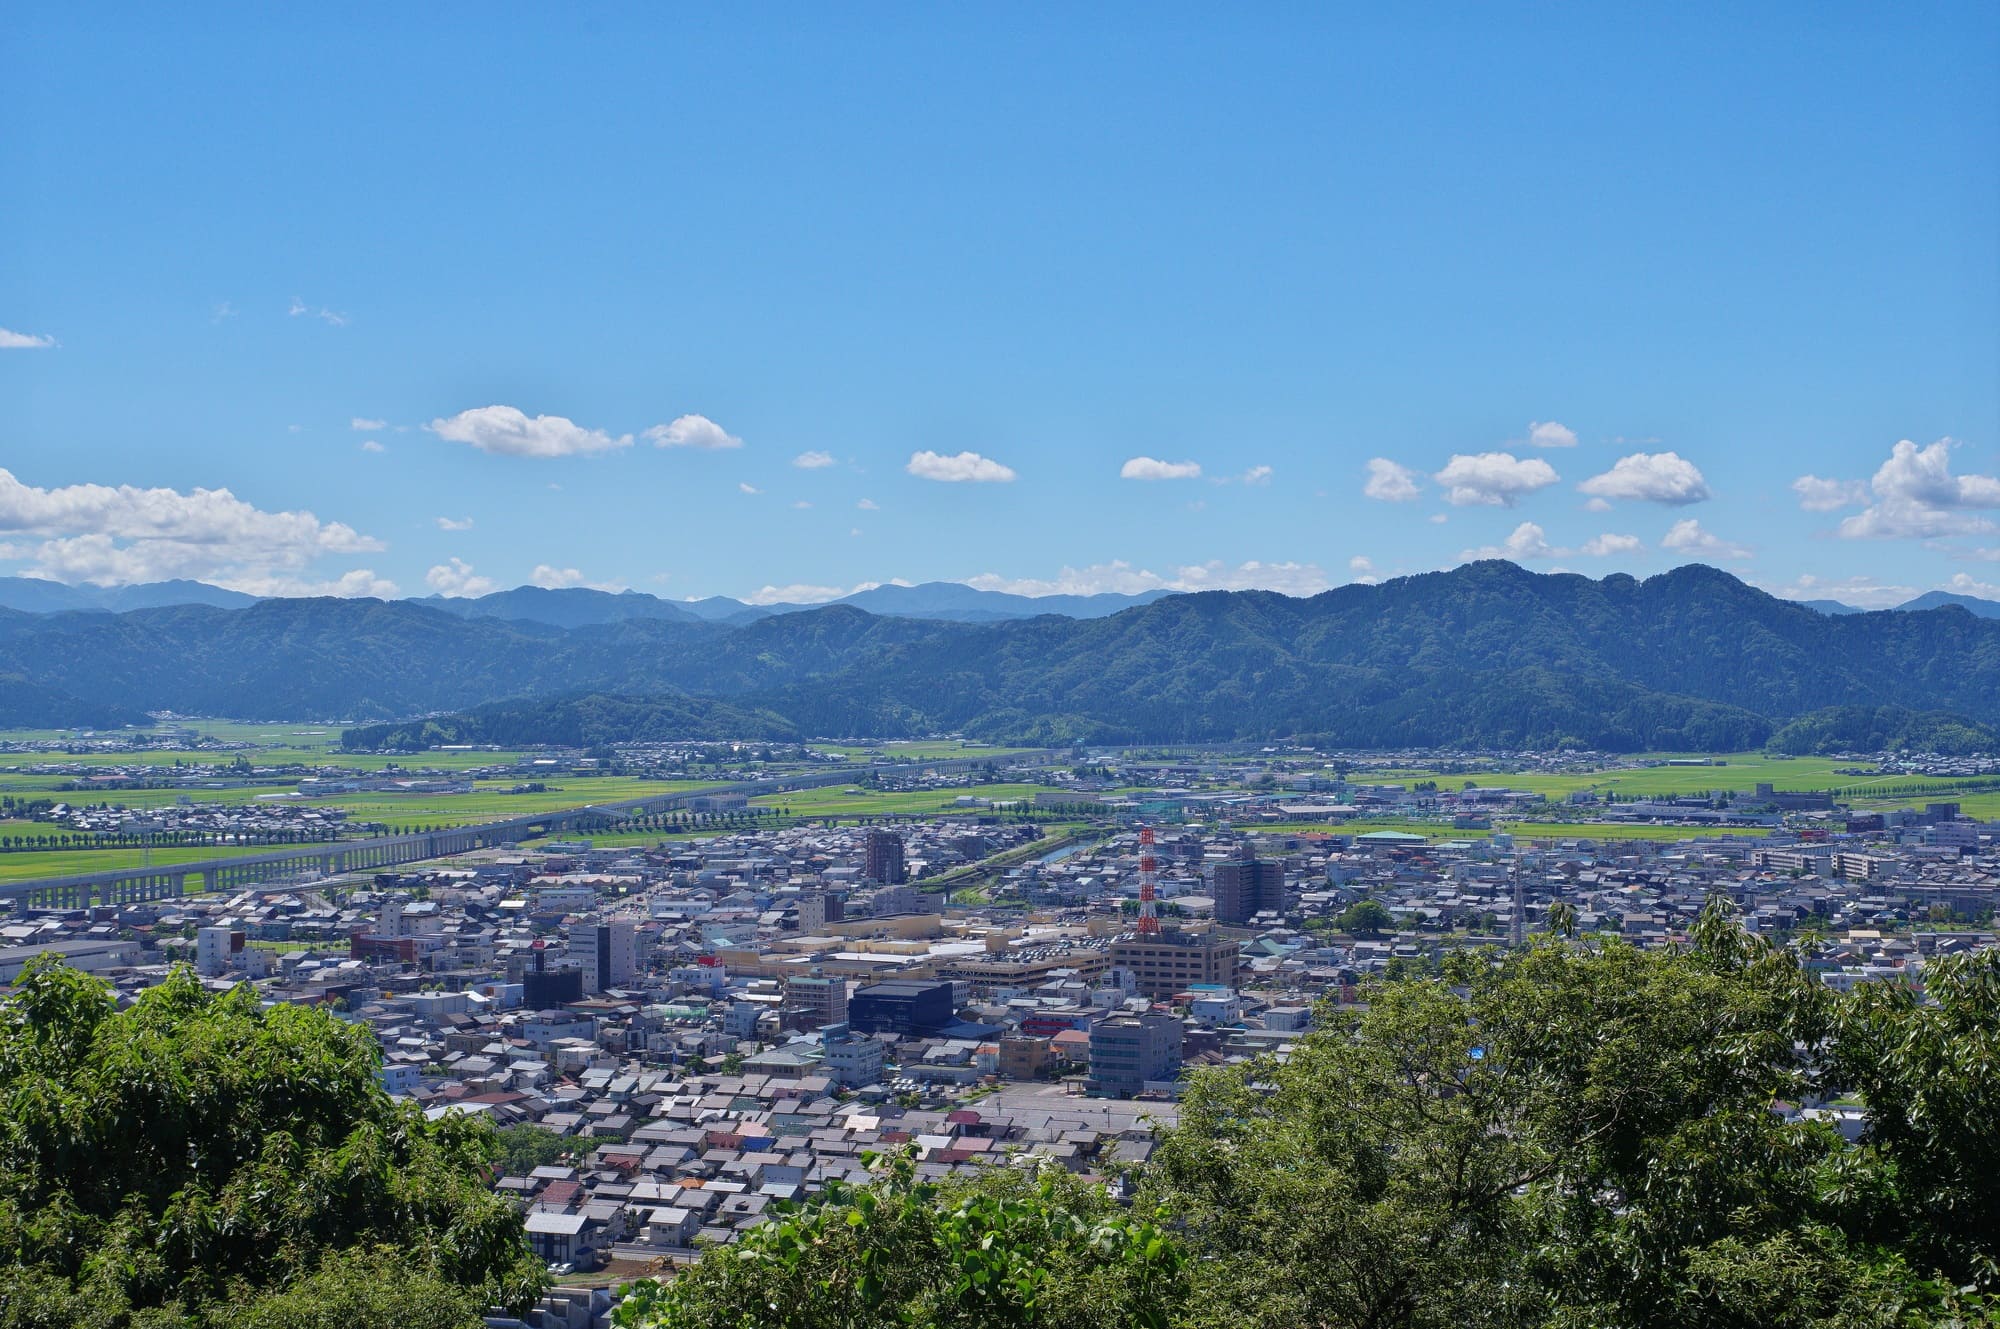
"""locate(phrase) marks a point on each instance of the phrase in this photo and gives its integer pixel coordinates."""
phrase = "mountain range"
(1487, 654)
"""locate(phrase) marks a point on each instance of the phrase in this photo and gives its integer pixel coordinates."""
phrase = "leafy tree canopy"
(198, 1159)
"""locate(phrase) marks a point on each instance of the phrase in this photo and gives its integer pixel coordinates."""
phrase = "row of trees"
(60, 840)
(1575, 1135)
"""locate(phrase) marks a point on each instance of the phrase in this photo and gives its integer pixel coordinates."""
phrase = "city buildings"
(885, 863)
(1129, 1052)
(1174, 959)
(1246, 886)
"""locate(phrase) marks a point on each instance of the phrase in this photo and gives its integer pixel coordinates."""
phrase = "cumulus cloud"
(813, 461)
(867, 505)
(361, 424)
(1363, 569)
(1687, 537)
(1818, 495)
(1549, 434)
(1494, 479)
(362, 582)
(114, 536)
(803, 593)
(24, 341)
(1530, 541)
(1123, 577)
(1653, 477)
(1151, 468)
(1963, 583)
(1390, 482)
(801, 504)
(692, 431)
(457, 580)
(745, 487)
(1862, 592)
(370, 445)
(557, 579)
(509, 432)
(454, 523)
(1915, 495)
(1257, 475)
(961, 468)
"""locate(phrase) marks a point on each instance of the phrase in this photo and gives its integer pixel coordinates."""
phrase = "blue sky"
(484, 295)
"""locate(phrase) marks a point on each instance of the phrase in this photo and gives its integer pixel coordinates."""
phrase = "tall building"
(608, 953)
(1129, 1051)
(813, 1002)
(854, 1061)
(212, 949)
(1173, 960)
(1245, 887)
(884, 863)
(546, 988)
(899, 1007)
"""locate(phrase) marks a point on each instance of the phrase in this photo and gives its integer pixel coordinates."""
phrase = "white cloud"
(867, 505)
(1390, 482)
(509, 432)
(798, 593)
(24, 341)
(1437, 519)
(692, 431)
(221, 310)
(1549, 434)
(1817, 495)
(370, 445)
(557, 579)
(1494, 479)
(1917, 496)
(1687, 537)
(114, 536)
(801, 504)
(1527, 541)
(1363, 568)
(813, 461)
(1150, 468)
(744, 486)
(454, 523)
(1597, 505)
(361, 424)
(1257, 475)
(964, 467)
(1862, 592)
(349, 585)
(456, 579)
(299, 307)
(1654, 477)
(1963, 583)
(1122, 577)
(1530, 541)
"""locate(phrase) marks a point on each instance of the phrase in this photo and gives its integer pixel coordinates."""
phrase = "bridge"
(170, 881)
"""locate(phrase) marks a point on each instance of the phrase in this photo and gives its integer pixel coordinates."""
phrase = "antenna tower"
(1149, 909)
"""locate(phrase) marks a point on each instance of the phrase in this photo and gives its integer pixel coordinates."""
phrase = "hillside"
(1486, 653)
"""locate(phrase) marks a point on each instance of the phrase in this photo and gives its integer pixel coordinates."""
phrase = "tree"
(1367, 917)
(1571, 1136)
(523, 1148)
(193, 1156)
(1007, 1249)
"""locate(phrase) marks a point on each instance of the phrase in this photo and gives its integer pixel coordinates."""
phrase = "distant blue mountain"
(1972, 604)
(1831, 606)
(568, 607)
(35, 596)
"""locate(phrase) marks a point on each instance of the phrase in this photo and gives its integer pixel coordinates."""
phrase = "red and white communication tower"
(1149, 881)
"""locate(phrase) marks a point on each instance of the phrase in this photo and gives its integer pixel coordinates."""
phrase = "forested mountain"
(35, 595)
(1971, 604)
(1486, 653)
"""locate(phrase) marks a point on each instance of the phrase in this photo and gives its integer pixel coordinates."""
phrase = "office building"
(1127, 1052)
(1245, 887)
(212, 949)
(607, 953)
(546, 987)
(1174, 960)
(853, 1061)
(884, 863)
(901, 1008)
(813, 1002)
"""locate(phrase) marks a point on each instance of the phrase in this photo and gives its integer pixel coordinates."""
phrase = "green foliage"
(1578, 1136)
(525, 1147)
(1007, 1250)
(194, 1154)
(1882, 728)
(1367, 917)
